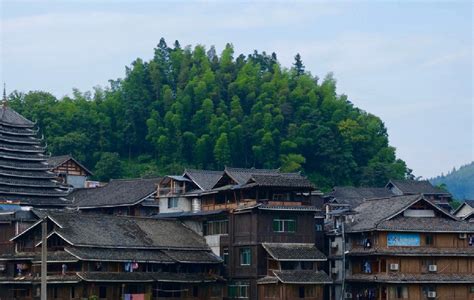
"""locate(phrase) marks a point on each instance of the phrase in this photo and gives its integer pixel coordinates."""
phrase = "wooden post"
(44, 257)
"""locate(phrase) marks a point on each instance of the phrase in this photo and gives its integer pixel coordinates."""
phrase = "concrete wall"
(184, 204)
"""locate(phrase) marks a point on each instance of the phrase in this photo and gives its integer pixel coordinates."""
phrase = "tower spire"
(4, 100)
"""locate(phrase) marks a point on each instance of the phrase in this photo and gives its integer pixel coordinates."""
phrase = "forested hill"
(190, 107)
(459, 182)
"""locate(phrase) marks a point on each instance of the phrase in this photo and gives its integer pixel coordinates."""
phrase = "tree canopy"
(188, 107)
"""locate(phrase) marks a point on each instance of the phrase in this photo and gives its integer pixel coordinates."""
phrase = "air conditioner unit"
(333, 244)
(431, 294)
(393, 267)
(348, 295)
(432, 268)
(463, 236)
(334, 270)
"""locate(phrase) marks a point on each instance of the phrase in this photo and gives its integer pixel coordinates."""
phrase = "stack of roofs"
(118, 239)
(117, 193)
(24, 172)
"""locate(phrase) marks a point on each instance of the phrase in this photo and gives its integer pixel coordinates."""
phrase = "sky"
(410, 63)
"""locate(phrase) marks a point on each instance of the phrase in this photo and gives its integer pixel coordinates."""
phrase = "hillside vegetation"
(190, 107)
(459, 182)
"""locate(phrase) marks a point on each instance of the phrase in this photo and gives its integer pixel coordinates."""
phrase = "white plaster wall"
(464, 211)
(214, 243)
(184, 204)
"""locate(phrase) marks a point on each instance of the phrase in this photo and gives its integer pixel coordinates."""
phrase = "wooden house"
(112, 257)
(258, 264)
(133, 197)
(406, 247)
(69, 171)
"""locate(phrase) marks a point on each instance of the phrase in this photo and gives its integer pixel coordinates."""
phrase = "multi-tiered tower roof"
(24, 173)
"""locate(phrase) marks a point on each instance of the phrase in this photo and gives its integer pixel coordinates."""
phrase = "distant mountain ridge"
(459, 182)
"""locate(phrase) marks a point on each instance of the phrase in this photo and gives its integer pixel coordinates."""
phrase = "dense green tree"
(109, 166)
(193, 107)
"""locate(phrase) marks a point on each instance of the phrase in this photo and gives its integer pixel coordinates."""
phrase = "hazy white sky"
(411, 63)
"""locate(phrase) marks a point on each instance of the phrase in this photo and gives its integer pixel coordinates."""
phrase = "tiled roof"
(288, 180)
(302, 277)
(108, 231)
(294, 252)
(412, 251)
(354, 196)
(410, 187)
(53, 256)
(119, 255)
(205, 179)
(305, 208)
(242, 176)
(412, 278)
(190, 214)
(436, 224)
(73, 278)
(10, 117)
(370, 213)
(147, 277)
(116, 193)
(201, 257)
(267, 280)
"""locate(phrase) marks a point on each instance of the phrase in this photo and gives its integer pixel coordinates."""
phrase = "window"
(172, 202)
(319, 227)
(195, 291)
(73, 292)
(429, 240)
(238, 291)
(225, 255)
(216, 227)
(401, 292)
(471, 290)
(284, 225)
(55, 292)
(245, 257)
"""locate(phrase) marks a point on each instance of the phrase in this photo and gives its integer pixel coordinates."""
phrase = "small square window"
(245, 257)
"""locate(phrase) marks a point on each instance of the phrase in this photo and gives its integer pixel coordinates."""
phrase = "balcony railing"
(170, 191)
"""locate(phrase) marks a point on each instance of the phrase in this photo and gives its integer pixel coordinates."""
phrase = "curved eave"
(23, 150)
(20, 184)
(23, 193)
(41, 175)
(25, 168)
(20, 141)
(37, 158)
(16, 132)
(12, 125)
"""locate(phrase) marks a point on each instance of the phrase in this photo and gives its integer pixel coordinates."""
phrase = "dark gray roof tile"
(302, 277)
(294, 252)
(116, 193)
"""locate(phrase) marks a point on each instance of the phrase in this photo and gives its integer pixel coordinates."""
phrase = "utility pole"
(343, 292)
(44, 258)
